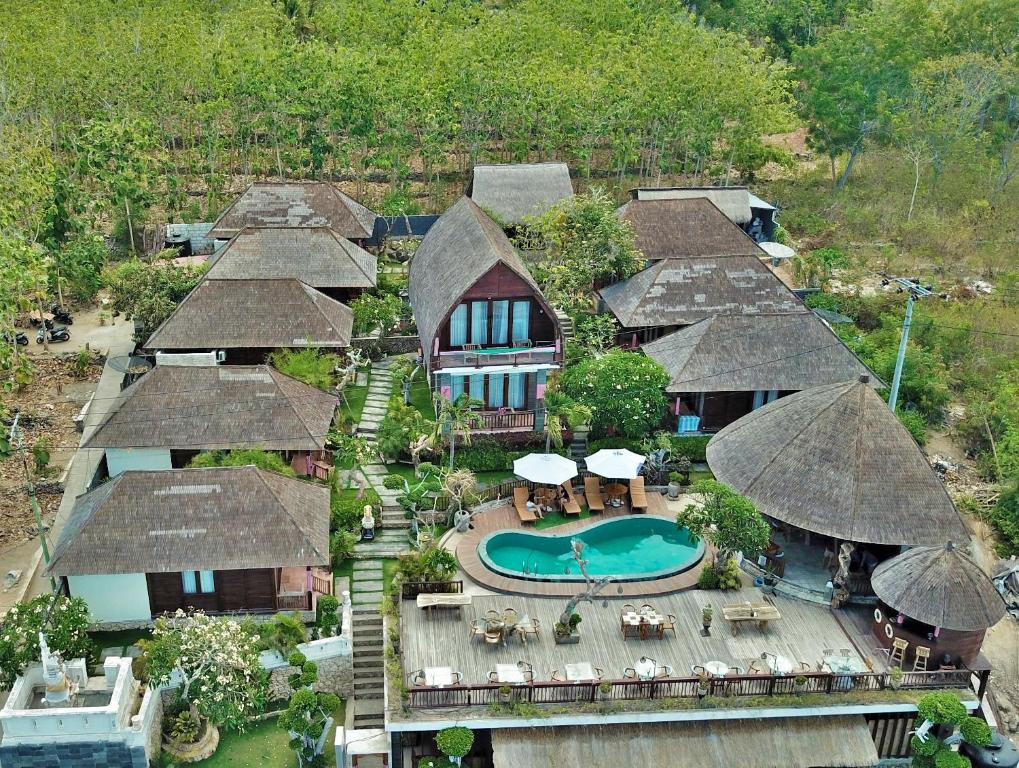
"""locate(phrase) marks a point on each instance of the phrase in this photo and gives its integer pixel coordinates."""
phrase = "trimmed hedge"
(693, 447)
(495, 455)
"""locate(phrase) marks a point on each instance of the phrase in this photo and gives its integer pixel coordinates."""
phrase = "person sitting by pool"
(367, 524)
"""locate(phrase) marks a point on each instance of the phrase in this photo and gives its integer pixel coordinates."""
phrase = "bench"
(429, 602)
(745, 613)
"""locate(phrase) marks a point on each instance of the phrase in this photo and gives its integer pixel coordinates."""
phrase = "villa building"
(221, 540)
(174, 412)
(743, 208)
(485, 328)
(510, 194)
(248, 319)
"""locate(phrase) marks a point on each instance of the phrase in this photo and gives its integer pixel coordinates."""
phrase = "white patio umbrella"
(545, 468)
(615, 463)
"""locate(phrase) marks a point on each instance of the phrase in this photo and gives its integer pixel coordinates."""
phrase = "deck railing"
(484, 694)
(501, 420)
(293, 601)
(541, 352)
(409, 590)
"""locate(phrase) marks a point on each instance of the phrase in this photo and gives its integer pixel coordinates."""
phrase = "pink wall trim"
(445, 391)
(540, 392)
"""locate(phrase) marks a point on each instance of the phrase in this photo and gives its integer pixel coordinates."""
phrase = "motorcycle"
(61, 315)
(56, 335)
(18, 338)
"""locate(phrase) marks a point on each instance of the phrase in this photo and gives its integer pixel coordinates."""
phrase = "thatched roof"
(511, 193)
(460, 248)
(939, 586)
(295, 204)
(791, 742)
(217, 407)
(734, 202)
(683, 291)
(739, 353)
(256, 314)
(224, 518)
(689, 227)
(316, 256)
(836, 461)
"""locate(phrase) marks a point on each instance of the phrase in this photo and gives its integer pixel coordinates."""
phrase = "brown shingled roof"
(316, 256)
(295, 204)
(741, 353)
(222, 518)
(256, 314)
(683, 291)
(217, 407)
(835, 460)
(692, 227)
(514, 192)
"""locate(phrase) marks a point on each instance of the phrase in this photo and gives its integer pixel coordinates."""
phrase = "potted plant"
(895, 678)
(706, 614)
(683, 470)
(675, 483)
(702, 686)
(604, 689)
(566, 632)
(505, 693)
(799, 684)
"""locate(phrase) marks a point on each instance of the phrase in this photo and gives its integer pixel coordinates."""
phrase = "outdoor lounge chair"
(638, 498)
(520, 497)
(593, 493)
(571, 506)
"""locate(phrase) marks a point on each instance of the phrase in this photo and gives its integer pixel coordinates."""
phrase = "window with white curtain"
(458, 327)
(190, 582)
(517, 390)
(479, 322)
(500, 322)
(496, 383)
(521, 320)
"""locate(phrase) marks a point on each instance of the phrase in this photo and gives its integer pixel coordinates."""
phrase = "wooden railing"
(541, 352)
(496, 420)
(409, 590)
(679, 688)
(293, 601)
(323, 585)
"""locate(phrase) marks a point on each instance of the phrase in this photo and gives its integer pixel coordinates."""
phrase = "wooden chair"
(493, 677)
(758, 667)
(534, 628)
(699, 671)
(921, 659)
(570, 506)
(417, 677)
(664, 671)
(638, 497)
(477, 629)
(599, 673)
(735, 672)
(802, 668)
(558, 677)
(494, 637)
(628, 608)
(509, 615)
(457, 678)
(520, 498)
(647, 608)
(592, 491)
(669, 625)
(897, 655)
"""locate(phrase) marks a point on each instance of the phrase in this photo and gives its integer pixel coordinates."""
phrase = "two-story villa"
(485, 328)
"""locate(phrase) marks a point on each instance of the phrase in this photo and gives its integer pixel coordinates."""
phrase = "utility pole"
(916, 291)
(18, 444)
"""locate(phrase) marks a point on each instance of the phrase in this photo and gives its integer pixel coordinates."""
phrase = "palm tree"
(459, 416)
(562, 413)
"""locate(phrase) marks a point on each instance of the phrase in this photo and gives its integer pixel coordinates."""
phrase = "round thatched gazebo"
(834, 461)
(935, 598)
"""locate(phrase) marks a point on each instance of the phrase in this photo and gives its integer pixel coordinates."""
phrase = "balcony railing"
(293, 601)
(485, 694)
(541, 352)
(501, 421)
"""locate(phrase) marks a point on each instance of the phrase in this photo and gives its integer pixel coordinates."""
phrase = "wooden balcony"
(294, 595)
(506, 421)
(539, 353)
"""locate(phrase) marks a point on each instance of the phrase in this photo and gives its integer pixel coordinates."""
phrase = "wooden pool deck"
(503, 518)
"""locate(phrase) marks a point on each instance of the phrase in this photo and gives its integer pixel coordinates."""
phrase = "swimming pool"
(631, 548)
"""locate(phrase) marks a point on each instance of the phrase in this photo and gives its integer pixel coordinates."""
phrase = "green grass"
(552, 519)
(421, 396)
(346, 568)
(265, 744)
(120, 639)
(356, 395)
(696, 475)
(388, 573)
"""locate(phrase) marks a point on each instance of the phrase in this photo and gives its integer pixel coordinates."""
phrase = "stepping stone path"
(391, 540)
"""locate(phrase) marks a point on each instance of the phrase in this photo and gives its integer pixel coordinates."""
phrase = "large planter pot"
(199, 750)
(571, 639)
(674, 489)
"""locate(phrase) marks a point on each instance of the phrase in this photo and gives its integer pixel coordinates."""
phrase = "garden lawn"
(552, 519)
(356, 397)
(421, 395)
(265, 744)
(389, 565)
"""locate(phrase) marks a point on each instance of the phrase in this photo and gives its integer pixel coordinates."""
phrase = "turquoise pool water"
(628, 548)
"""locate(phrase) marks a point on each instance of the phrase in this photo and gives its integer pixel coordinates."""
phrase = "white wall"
(120, 459)
(113, 597)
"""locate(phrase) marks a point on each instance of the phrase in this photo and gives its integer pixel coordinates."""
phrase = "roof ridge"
(261, 475)
(343, 242)
(861, 390)
(273, 372)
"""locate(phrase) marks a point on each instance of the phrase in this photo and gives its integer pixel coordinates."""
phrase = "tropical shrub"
(327, 617)
(624, 390)
(308, 715)
(186, 727)
(455, 742)
(266, 460)
(150, 291)
(373, 312)
(310, 365)
(432, 564)
(728, 520)
(64, 620)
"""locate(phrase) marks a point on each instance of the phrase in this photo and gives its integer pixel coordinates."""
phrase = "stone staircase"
(565, 323)
(369, 672)
(380, 386)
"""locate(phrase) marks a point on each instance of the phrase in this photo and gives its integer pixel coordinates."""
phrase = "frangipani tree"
(729, 521)
(215, 661)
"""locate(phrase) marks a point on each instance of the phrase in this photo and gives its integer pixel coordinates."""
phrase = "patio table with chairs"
(647, 669)
(512, 674)
(645, 623)
(582, 672)
(436, 677)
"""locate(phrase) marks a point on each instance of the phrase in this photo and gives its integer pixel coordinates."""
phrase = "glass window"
(190, 582)
(208, 582)
(478, 387)
(479, 322)
(517, 392)
(456, 387)
(500, 322)
(458, 327)
(521, 320)
(496, 383)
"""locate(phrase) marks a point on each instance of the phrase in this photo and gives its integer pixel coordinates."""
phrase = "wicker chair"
(477, 629)
(417, 677)
(669, 624)
(558, 677)
(629, 673)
